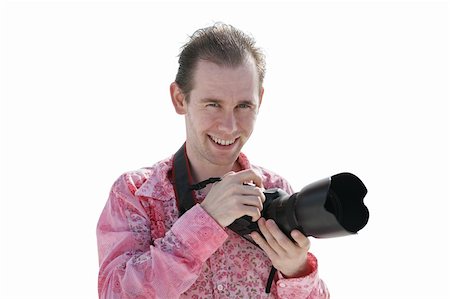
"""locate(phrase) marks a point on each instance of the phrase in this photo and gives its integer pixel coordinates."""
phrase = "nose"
(228, 122)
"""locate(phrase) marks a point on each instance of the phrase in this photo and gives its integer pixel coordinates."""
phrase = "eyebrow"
(212, 100)
(208, 100)
(247, 102)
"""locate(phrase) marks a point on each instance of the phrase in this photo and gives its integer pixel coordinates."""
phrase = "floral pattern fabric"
(147, 251)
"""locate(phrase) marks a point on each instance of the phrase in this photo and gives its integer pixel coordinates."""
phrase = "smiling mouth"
(222, 142)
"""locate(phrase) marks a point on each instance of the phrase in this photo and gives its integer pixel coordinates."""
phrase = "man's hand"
(230, 199)
(290, 258)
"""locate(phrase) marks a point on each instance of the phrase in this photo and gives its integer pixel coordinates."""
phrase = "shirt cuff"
(199, 232)
(305, 283)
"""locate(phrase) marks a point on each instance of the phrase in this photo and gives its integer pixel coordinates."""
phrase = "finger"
(301, 239)
(262, 243)
(280, 237)
(226, 178)
(251, 190)
(266, 232)
(251, 211)
(252, 201)
(248, 175)
(228, 174)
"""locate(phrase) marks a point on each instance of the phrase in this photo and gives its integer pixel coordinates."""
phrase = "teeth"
(221, 141)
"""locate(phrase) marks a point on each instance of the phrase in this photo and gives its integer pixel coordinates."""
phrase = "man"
(152, 245)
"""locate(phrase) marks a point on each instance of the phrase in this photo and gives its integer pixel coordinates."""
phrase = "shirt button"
(220, 287)
(282, 285)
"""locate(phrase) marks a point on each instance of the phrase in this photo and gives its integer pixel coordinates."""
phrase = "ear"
(261, 93)
(178, 98)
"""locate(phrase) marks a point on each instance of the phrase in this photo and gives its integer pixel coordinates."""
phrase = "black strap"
(182, 178)
(203, 184)
(270, 279)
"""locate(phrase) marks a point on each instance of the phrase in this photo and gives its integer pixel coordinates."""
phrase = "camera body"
(328, 208)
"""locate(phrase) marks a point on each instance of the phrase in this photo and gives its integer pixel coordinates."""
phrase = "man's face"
(221, 111)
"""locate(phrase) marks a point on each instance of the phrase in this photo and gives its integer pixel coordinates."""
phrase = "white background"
(357, 86)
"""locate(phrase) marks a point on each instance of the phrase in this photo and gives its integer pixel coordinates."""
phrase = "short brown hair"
(222, 44)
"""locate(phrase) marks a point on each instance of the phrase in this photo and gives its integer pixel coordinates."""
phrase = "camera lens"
(333, 205)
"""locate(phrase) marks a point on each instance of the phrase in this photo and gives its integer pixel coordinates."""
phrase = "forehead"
(222, 82)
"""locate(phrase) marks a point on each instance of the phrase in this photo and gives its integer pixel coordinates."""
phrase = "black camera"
(328, 208)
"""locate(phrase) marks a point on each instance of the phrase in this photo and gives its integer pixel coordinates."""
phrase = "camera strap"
(182, 178)
(185, 197)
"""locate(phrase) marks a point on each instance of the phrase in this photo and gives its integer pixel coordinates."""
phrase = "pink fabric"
(147, 251)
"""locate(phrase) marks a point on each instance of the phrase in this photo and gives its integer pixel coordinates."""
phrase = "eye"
(244, 106)
(214, 105)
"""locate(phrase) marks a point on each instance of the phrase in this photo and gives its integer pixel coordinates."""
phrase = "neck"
(202, 169)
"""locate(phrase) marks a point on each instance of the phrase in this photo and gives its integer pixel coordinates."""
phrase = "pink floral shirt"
(147, 251)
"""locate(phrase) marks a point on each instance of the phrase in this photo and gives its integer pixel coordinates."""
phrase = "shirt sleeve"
(309, 286)
(132, 265)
